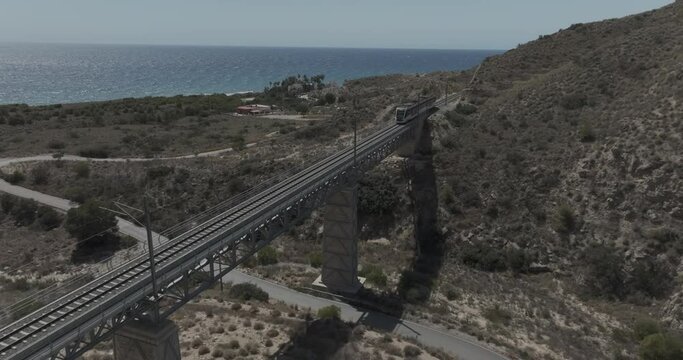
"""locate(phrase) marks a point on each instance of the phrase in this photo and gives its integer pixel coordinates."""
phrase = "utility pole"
(220, 271)
(355, 136)
(152, 267)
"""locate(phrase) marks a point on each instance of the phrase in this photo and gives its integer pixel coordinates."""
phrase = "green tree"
(82, 169)
(48, 218)
(90, 221)
(374, 274)
(661, 347)
(247, 291)
(40, 174)
(267, 256)
(329, 312)
(605, 267)
(377, 195)
(564, 221)
(330, 98)
(651, 277)
(16, 177)
(24, 212)
(315, 258)
(7, 201)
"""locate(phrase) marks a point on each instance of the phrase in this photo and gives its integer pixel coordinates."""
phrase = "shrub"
(302, 109)
(411, 351)
(267, 256)
(89, 220)
(217, 353)
(497, 315)
(272, 333)
(101, 152)
(330, 98)
(456, 119)
(48, 218)
(258, 326)
(377, 195)
(158, 172)
(661, 347)
(564, 221)
(329, 312)
(664, 235)
(7, 201)
(374, 275)
(247, 291)
(573, 101)
(519, 260)
(651, 277)
(203, 350)
(451, 293)
(315, 259)
(82, 169)
(586, 132)
(234, 344)
(465, 108)
(40, 174)
(24, 212)
(414, 287)
(645, 327)
(484, 257)
(77, 194)
(56, 144)
(605, 271)
(16, 177)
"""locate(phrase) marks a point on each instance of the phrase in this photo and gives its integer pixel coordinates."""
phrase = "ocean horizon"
(39, 74)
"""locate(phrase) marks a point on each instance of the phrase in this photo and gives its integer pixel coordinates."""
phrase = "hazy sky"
(446, 24)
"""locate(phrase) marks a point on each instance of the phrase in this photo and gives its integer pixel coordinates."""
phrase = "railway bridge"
(132, 305)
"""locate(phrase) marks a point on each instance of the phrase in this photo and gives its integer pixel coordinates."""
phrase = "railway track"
(52, 327)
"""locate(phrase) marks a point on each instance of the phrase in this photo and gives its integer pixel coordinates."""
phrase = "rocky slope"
(571, 146)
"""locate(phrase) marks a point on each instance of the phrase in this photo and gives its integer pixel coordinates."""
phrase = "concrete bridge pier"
(140, 340)
(340, 243)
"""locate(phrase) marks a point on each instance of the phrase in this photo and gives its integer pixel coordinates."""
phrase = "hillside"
(558, 230)
(567, 157)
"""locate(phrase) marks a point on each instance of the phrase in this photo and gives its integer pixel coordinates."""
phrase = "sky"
(431, 24)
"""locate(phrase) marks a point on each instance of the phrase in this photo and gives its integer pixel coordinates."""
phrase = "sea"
(38, 74)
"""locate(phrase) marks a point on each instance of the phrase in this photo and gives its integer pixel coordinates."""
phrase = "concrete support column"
(340, 242)
(144, 341)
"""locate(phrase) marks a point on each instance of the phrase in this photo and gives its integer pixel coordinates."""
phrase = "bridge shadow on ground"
(417, 283)
(319, 339)
(324, 339)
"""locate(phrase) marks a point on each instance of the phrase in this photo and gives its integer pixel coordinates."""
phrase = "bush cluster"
(655, 342)
(247, 291)
(374, 274)
(610, 276)
(267, 256)
(89, 220)
(329, 312)
(377, 195)
(483, 256)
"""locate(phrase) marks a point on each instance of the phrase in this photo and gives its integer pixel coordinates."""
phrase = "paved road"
(464, 346)
(125, 227)
(50, 157)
